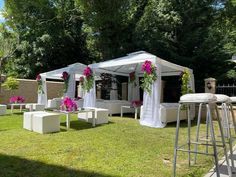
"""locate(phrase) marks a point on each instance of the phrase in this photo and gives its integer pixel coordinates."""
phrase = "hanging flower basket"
(89, 79)
(65, 76)
(40, 84)
(68, 104)
(149, 76)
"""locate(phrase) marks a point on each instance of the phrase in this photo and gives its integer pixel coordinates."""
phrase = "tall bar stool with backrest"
(206, 99)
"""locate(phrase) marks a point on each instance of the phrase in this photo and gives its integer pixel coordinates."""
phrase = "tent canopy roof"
(133, 61)
(76, 68)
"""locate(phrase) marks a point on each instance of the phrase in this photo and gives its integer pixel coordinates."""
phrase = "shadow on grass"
(81, 125)
(13, 166)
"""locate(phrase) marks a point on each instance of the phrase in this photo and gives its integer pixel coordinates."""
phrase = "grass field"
(120, 148)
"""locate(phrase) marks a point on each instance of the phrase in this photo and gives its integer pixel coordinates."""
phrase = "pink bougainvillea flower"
(17, 99)
(88, 71)
(38, 78)
(68, 104)
(65, 76)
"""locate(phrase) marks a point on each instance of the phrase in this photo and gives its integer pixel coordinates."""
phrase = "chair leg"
(223, 142)
(207, 129)
(176, 141)
(197, 133)
(189, 135)
(213, 140)
(233, 117)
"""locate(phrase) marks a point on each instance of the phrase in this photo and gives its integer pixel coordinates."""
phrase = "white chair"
(46, 123)
(3, 109)
(28, 119)
(101, 116)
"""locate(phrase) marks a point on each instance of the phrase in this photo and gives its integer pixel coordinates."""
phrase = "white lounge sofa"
(168, 112)
(114, 106)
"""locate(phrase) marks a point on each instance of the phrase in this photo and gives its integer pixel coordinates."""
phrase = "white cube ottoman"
(28, 119)
(101, 116)
(38, 107)
(3, 109)
(46, 123)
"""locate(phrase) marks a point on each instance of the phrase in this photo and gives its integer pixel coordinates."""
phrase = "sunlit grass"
(120, 148)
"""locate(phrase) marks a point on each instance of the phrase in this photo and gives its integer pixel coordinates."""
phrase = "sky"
(1, 6)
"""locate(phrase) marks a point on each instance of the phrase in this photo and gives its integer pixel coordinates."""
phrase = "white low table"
(17, 104)
(67, 113)
(129, 107)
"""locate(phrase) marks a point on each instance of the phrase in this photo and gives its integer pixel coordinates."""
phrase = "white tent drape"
(71, 85)
(42, 97)
(133, 89)
(113, 92)
(90, 97)
(151, 112)
(80, 91)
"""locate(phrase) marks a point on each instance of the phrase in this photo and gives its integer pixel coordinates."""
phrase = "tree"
(50, 35)
(8, 41)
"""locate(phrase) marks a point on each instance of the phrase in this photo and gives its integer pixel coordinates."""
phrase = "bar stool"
(226, 107)
(206, 99)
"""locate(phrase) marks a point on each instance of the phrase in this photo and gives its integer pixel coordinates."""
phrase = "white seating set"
(41, 122)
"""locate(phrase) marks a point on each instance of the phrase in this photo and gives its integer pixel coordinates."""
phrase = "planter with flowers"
(40, 84)
(89, 79)
(68, 105)
(149, 76)
(65, 76)
(17, 99)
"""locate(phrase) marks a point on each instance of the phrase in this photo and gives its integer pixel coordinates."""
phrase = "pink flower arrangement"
(68, 104)
(149, 75)
(17, 99)
(88, 82)
(65, 76)
(136, 103)
(147, 67)
(38, 78)
(88, 72)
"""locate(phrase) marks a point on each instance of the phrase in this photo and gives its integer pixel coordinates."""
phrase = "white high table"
(129, 107)
(67, 113)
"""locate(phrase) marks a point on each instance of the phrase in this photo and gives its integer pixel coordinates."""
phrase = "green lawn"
(120, 148)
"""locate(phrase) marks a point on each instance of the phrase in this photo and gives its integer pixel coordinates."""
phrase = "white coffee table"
(67, 113)
(17, 104)
(130, 107)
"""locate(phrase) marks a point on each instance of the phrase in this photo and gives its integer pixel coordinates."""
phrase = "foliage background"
(52, 34)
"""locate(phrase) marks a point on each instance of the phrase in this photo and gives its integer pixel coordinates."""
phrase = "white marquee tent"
(132, 62)
(122, 66)
(75, 70)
